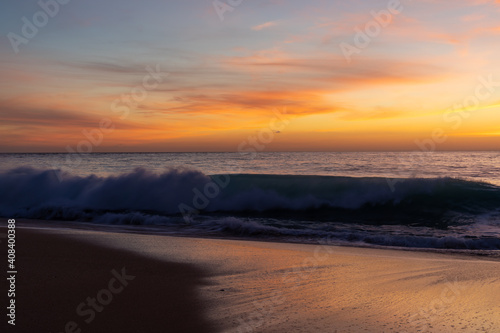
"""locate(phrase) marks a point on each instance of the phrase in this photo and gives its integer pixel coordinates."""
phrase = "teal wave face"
(410, 199)
(444, 213)
(437, 202)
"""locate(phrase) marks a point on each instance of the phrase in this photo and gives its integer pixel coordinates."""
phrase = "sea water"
(435, 200)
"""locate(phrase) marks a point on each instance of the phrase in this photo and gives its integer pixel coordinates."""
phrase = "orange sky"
(175, 77)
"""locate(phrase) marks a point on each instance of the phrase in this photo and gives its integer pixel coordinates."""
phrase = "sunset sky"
(429, 74)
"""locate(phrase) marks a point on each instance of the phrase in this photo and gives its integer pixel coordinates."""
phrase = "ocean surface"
(446, 201)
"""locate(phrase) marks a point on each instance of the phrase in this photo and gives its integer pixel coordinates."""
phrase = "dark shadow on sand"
(56, 274)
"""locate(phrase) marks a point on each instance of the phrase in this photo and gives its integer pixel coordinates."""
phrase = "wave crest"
(27, 189)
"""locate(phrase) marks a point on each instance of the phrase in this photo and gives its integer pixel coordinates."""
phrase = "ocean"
(442, 201)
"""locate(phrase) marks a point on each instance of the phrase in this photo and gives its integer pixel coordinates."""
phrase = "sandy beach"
(59, 272)
(156, 283)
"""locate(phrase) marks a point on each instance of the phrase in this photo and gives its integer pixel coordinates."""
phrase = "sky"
(229, 75)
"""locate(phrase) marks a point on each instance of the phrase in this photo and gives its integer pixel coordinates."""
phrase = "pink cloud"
(264, 25)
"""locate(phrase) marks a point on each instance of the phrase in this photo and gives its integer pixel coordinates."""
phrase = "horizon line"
(258, 152)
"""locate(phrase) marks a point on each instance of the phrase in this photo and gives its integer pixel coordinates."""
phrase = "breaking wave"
(256, 204)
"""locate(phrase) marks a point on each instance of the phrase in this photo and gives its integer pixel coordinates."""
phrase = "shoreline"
(488, 255)
(230, 285)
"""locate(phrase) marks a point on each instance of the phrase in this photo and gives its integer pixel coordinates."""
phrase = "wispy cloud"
(265, 25)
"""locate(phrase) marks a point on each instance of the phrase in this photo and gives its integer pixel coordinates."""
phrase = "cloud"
(303, 72)
(50, 119)
(265, 25)
(44, 117)
(110, 67)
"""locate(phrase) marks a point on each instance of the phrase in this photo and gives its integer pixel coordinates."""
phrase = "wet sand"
(57, 273)
(188, 284)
